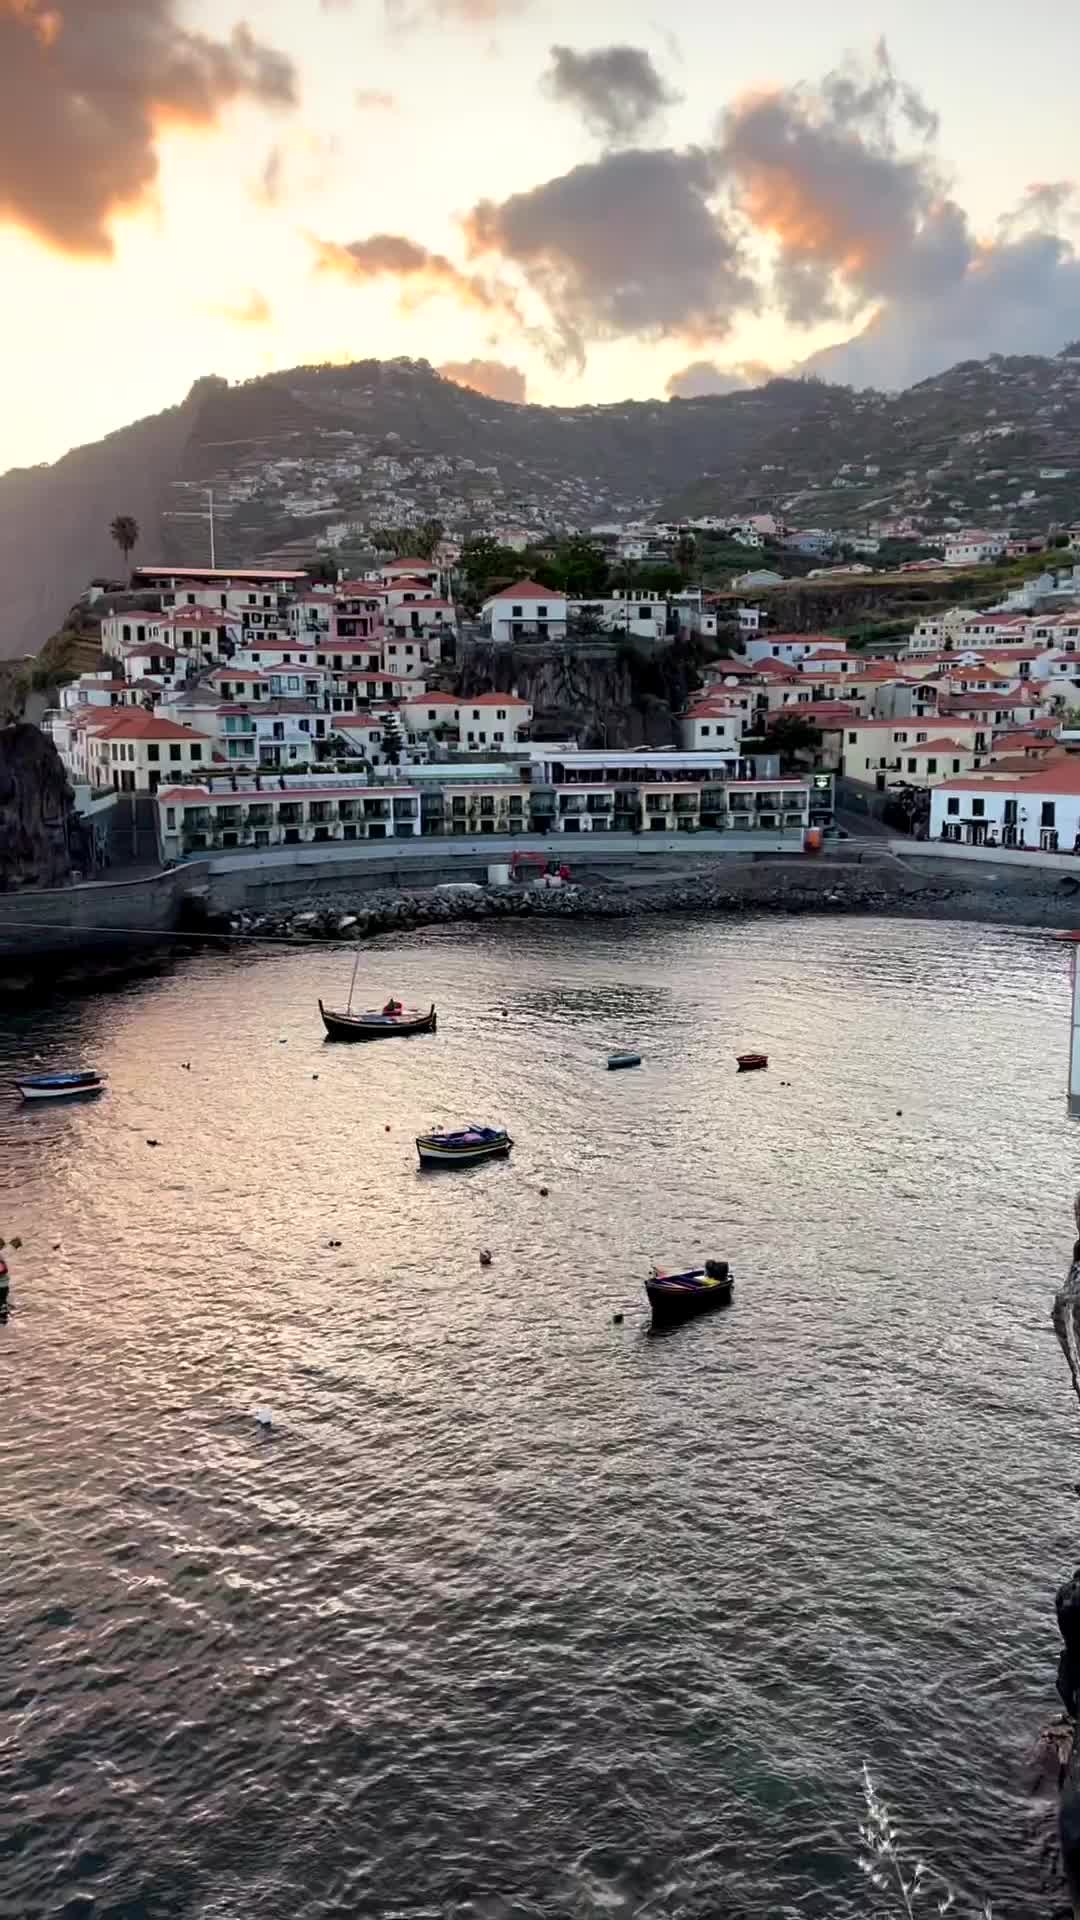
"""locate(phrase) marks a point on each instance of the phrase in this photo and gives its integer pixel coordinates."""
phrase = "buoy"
(16, 1243)
(617, 1318)
(506, 1013)
(314, 1076)
(386, 1129)
(153, 1143)
(264, 1416)
(899, 1113)
(543, 1193)
(57, 1247)
(333, 1243)
(186, 1064)
(485, 1257)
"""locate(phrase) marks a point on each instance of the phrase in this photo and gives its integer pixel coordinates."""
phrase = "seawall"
(95, 917)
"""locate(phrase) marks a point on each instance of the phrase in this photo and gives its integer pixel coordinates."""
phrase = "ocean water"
(517, 1611)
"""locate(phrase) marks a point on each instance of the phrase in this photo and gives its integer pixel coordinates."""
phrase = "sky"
(561, 203)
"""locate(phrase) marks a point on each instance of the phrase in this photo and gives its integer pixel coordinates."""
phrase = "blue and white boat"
(463, 1149)
(61, 1086)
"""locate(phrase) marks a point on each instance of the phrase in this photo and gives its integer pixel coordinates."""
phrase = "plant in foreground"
(882, 1860)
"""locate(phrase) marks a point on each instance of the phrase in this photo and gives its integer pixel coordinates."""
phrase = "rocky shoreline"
(338, 913)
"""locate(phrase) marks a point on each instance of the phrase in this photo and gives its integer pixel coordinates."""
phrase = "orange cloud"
(421, 274)
(85, 88)
(493, 378)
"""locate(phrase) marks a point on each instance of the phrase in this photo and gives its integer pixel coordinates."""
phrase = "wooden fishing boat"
(60, 1086)
(675, 1296)
(624, 1058)
(752, 1062)
(375, 1025)
(464, 1148)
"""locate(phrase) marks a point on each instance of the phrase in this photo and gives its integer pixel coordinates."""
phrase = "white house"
(492, 720)
(1039, 809)
(791, 648)
(973, 548)
(526, 612)
(136, 751)
(711, 723)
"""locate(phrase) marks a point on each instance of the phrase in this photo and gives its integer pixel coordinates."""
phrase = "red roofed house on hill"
(525, 612)
(137, 752)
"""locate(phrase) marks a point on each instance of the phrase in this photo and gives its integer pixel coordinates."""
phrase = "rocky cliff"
(36, 811)
(605, 693)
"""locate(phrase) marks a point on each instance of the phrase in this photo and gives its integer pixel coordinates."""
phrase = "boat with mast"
(375, 1023)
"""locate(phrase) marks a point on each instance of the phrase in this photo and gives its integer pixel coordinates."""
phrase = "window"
(956, 766)
(175, 751)
(911, 765)
(542, 613)
(978, 809)
(153, 752)
(1047, 816)
(852, 739)
(170, 817)
(196, 750)
(952, 804)
(706, 730)
(516, 612)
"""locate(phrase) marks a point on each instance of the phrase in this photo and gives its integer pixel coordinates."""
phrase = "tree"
(426, 538)
(393, 739)
(686, 552)
(125, 533)
(788, 734)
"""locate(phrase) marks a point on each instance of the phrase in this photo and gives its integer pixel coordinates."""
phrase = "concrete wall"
(284, 873)
(102, 914)
(1012, 862)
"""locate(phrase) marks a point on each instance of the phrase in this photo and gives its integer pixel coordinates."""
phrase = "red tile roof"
(131, 723)
(527, 590)
(1062, 776)
(492, 700)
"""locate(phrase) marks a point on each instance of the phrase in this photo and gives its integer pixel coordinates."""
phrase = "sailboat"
(376, 1023)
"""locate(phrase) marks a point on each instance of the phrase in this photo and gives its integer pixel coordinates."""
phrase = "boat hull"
(360, 1026)
(616, 1061)
(433, 1153)
(752, 1062)
(680, 1297)
(29, 1090)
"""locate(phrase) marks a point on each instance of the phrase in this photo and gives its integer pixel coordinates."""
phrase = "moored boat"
(625, 1057)
(60, 1086)
(675, 1296)
(377, 1024)
(752, 1062)
(463, 1149)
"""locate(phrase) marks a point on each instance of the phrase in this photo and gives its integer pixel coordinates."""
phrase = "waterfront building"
(1037, 809)
(134, 751)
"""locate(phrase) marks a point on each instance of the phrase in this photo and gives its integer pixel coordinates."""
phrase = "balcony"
(376, 809)
(601, 803)
(686, 803)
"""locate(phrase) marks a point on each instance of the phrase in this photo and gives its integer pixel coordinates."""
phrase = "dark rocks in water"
(37, 811)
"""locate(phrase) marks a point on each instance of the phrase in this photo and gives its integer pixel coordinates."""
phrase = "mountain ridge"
(298, 455)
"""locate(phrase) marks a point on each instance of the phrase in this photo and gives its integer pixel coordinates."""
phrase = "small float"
(675, 1296)
(60, 1086)
(624, 1057)
(464, 1148)
(752, 1062)
(377, 1024)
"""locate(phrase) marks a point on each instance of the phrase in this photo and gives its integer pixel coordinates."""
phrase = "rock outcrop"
(36, 811)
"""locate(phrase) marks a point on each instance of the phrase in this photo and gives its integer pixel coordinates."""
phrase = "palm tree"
(125, 533)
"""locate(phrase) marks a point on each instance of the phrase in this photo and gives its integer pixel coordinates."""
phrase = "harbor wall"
(282, 875)
(95, 915)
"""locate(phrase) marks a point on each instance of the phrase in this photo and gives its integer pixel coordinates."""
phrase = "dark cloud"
(490, 377)
(422, 275)
(86, 85)
(617, 90)
(703, 377)
(1022, 296)
(629, 244)
(373, 100)
(1044, 204)
(842, 177)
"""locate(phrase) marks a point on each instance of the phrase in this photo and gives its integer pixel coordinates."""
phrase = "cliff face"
(606, 693)
(35, 807)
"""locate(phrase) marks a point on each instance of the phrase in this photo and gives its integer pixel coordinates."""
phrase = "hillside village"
(259, 707)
